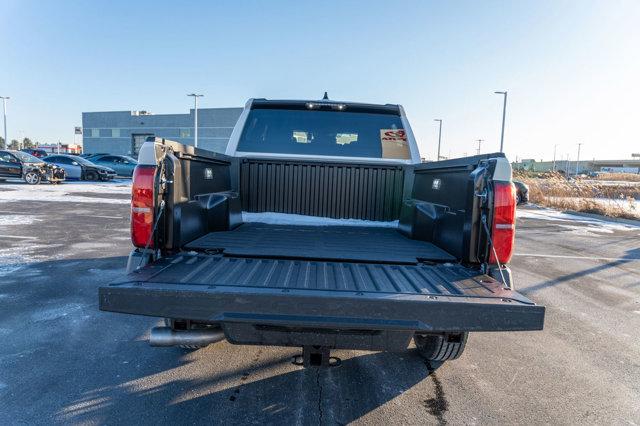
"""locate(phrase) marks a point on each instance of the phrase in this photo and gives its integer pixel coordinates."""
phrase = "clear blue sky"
(572, 68)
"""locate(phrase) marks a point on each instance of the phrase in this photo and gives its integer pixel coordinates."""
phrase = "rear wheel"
(32, 178)
(441, 347)
(91, 175)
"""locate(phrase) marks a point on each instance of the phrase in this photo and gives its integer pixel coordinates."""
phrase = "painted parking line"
(108, 217)
(562, 256)
(17, 237)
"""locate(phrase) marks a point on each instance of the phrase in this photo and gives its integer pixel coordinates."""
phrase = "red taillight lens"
(503, 231)
(142, 205)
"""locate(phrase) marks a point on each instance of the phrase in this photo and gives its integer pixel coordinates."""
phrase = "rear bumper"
(336, 310)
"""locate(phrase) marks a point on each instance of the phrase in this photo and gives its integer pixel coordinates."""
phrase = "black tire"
(441, 347)
(90, 175)
(32, 178)
(518, 199)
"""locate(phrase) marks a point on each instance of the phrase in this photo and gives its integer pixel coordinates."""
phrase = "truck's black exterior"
(420, 267)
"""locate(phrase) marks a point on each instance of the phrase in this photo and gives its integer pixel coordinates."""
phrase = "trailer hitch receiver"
(316, 356)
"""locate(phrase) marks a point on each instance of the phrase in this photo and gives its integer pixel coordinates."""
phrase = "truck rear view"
(320, 228)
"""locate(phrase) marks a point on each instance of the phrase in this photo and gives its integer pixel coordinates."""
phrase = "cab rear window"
(324, 133)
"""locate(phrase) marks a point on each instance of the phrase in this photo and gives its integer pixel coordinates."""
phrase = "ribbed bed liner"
(214, 270)
(346, 243)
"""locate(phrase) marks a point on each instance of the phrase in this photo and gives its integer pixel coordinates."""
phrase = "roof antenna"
(325, 97)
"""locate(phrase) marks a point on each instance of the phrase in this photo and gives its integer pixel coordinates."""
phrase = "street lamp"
(4, 111)
(439, 136)
(479, 143)
(504, 113)
(195, 113)
(578, 159)
(554, 156)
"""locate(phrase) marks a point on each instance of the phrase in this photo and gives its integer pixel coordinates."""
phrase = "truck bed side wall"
(440, 206)
(202, 195)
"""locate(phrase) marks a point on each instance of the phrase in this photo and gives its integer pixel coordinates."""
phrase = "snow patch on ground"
(56, 313)
(61, 193)
(297, 219)
(90, 246)
(587, 231)
(19, 257)
(593, 225)
(17, 219)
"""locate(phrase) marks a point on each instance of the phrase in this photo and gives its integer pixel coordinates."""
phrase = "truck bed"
(345, 243)
(321, 294)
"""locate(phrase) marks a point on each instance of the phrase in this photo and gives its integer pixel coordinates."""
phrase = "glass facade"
(122, 132)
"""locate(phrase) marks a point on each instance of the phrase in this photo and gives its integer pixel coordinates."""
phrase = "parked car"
(122, 164)
(20, 165)
(80, 168)
(259, 246)
(522, 192)
(36, 152)
(89, 155)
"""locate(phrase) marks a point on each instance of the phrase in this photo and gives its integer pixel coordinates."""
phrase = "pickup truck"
(321, 228)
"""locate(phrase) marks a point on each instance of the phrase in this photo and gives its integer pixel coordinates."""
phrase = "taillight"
(142, 206)
(503, 230)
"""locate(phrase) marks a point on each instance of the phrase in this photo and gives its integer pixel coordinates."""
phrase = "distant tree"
(27, 143)
(14, 144)
(1, 142)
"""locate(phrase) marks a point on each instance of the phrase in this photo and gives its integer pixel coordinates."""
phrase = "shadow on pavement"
(63, 360)
(306, 396)
(629, 256)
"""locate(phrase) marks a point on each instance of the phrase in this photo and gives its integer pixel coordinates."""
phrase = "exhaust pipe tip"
(166, 336)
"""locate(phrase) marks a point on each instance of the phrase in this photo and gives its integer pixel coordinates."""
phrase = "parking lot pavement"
(64, 361)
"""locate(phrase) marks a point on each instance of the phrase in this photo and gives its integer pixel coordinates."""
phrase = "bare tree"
(28, 143)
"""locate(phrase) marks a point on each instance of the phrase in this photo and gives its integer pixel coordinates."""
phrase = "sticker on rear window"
(394, 144)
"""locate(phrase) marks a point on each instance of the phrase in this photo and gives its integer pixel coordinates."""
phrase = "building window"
(95, 133)
(185, 133)
(115, 133)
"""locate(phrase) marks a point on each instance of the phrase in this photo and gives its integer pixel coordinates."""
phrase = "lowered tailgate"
(325, 294)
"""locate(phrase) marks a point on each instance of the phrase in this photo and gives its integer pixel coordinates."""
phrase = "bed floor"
(346, 243)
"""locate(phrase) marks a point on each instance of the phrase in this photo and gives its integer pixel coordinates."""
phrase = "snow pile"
(576, 222)
(67, 192)
(297, 219)
(16, 219)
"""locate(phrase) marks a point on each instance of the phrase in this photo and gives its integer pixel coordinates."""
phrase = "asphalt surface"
(64, 361)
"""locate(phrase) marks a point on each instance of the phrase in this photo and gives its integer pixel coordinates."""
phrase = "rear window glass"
(330, 133)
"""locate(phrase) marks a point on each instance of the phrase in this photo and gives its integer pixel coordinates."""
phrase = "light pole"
(504, 114)
(578, 159)
(554, 156)
(479, 143)
(195, 120)
(439, 136)
(4, 111)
